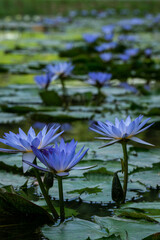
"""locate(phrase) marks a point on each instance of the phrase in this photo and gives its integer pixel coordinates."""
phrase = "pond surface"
(91, 212)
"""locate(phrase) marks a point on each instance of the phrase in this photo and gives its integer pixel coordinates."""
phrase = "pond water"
(27, 47)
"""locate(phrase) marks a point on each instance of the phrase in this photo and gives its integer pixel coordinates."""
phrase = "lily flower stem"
(63, 88)
(125, 157)
(47, 199)
(61, 200)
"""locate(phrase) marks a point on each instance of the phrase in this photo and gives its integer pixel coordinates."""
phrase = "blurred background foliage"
(50, 7)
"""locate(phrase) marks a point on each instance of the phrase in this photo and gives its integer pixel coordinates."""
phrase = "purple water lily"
(23, 142)
(106, 57)
(121, 130)
(99, 79)
(43, 81)
(60, 70)
(90, 38)
(60, 159)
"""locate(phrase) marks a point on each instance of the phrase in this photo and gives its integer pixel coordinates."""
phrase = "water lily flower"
(131, 52)
(43, 81)
(90, 38)
(106, 57)
(129, 87)
(61, 70)
(129, 38)
(121, 130)
(106, 46)
(108, 37)
(124, 57)
(108, 29)
(23, 142)
(60, 159)
(99, 79)
(148, 52)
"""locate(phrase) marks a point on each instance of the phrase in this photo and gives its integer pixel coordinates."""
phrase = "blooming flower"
(106, 46)
(90, 38)
(60, 70)
(99, 79)
(61, 159)
(23, 142)
(121, 130)
(43, 81)
(129, 38)
(129, 87)
(108, 37)
(108, 29)
(148, 52)
(131, 52)
(124, 57)
(106, 56)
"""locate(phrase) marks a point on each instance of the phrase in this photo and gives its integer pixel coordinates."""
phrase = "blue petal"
(110, 143)
(33, 165)
(40, 156)
(35, 143)
(8, 150)
(62, 174)
(28, 156)
(83, 168)
(135, 139)
(143, 129)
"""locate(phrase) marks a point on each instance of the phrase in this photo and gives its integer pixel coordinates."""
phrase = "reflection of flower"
(121, 130)
(106, 56)
(60, 70)
(43, 81)
(61, 159)
(23, 142)
(90, 38)
(99, 79)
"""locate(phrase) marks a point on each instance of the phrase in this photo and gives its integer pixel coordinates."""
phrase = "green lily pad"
(74, 229)
(127, 228)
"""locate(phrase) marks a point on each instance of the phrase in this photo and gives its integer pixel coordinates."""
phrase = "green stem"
(61, 200)
(125, 156)
(47, 199)
(63, 88)
(99, 95)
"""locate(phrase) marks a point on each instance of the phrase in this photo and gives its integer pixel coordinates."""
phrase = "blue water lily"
(121, 130)
(90, 38)
(24, 142)
(131, 52)
(43, 81)
(60, 159)
(106, 56)
(61, 70)
(99, 79)
(124, 57)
